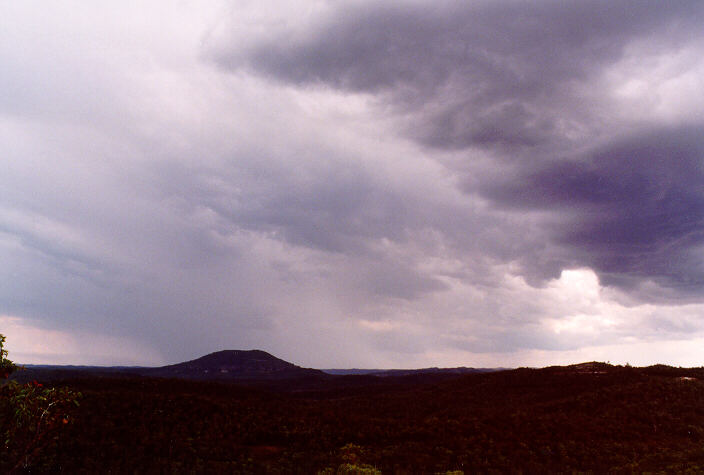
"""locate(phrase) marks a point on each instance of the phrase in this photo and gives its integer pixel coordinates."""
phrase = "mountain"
(250, 366)
(227, 365)
(233, 365)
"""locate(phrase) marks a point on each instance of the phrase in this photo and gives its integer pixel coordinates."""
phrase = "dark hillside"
(233, 364)
(226, 365)
(590, 417)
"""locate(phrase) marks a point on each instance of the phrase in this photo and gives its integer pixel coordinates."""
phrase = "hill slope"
(590, 417)
(233, 364)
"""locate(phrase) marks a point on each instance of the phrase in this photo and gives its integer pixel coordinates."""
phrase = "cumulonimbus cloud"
(527, 84)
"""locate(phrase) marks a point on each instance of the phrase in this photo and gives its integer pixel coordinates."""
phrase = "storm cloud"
(531, 86)
(487, 183)
(633, 210)
(473, 74)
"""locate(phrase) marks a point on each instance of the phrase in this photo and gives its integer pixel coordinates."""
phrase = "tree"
(7, 367)
(31, 416)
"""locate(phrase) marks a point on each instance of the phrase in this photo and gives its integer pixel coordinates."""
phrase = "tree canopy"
(31, 416)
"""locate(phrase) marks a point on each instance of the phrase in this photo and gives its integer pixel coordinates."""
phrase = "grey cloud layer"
(633, 209)
(471, 73)
(524, 82)
(349, 183)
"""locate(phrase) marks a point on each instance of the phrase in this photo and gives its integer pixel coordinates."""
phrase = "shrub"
(31, 416)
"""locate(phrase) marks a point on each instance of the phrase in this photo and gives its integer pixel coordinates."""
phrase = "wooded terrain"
(586, 417)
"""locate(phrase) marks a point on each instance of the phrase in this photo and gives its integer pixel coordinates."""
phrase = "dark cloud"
(633, 210)
(524, 83)
(469, 74)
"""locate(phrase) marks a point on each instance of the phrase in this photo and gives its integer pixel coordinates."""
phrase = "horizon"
(374, 369)
(325, 368)
(353, 184)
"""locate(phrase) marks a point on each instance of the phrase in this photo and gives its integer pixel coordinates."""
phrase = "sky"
(353, 183)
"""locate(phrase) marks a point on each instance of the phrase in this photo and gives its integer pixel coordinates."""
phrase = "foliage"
(597, 419)
(7, 367)
(351, 454)
(594, 418)
(31, 417)
(351, 469)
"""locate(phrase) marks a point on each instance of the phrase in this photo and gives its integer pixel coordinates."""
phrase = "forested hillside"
(586, 417)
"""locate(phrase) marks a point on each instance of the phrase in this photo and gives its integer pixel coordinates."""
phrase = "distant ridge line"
(406, 372)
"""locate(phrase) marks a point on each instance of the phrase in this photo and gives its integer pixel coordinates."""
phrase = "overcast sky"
(353, 183)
